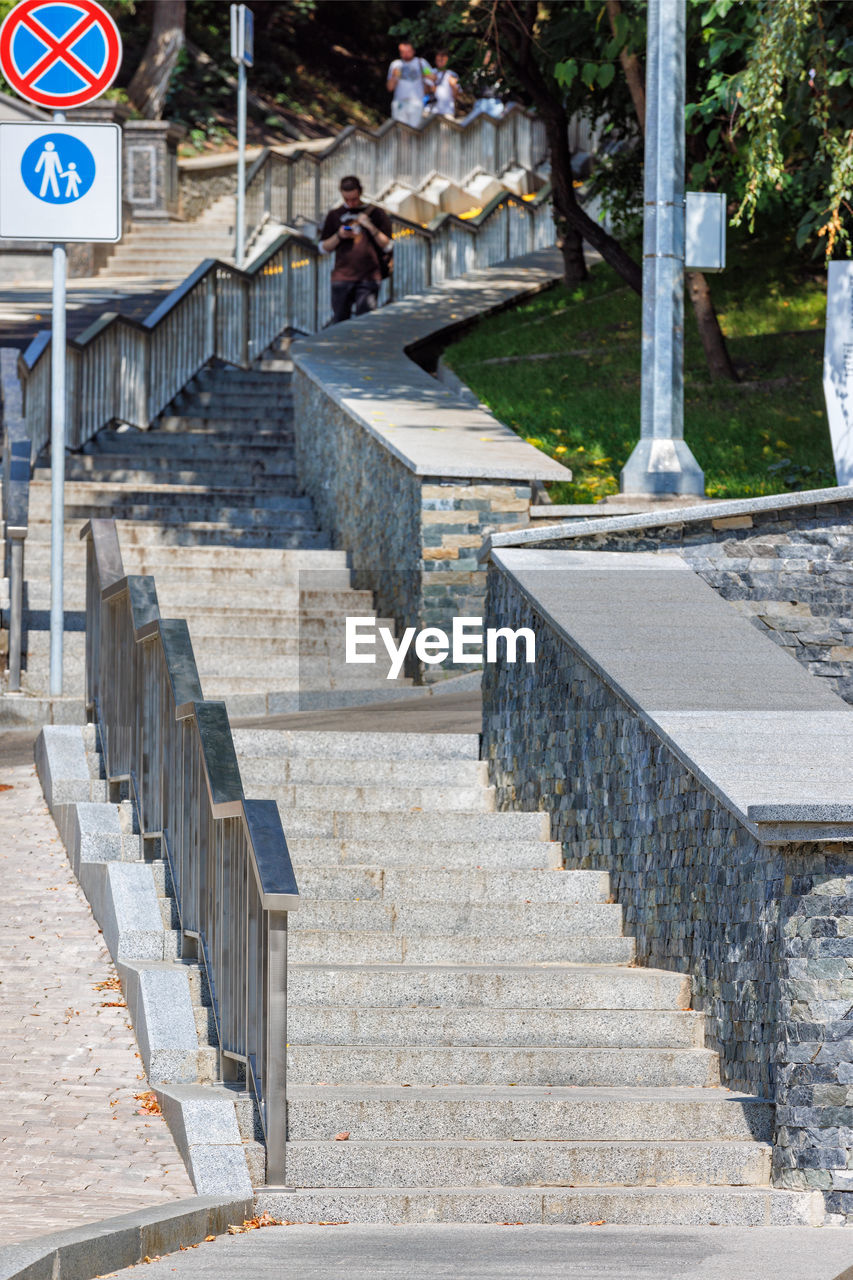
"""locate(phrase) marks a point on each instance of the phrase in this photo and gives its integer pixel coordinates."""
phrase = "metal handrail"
(17, 451)
(228, 858)
(303, 184)
(126, 370)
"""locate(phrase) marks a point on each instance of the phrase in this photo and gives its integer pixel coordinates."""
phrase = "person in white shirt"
(410, 79)
(446, 87)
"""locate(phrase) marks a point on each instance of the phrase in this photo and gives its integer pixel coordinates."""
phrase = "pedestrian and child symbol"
(58, 169)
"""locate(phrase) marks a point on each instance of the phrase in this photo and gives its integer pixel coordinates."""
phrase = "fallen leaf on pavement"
(342, 1137)
(599, 1222)
(148, 1104)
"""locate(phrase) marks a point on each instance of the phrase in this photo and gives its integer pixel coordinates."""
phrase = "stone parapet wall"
(413, 540)
(406, 475)
(789, 569)
(764, 930)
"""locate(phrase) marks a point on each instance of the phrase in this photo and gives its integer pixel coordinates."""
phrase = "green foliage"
(767, 434)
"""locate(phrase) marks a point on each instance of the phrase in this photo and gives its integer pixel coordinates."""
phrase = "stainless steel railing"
(233, 879)
(17, 452)
(129, 371)
(301, 186)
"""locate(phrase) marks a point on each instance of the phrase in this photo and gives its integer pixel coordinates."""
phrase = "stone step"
(139, 473)
(324, 745)
(606, 1028)
(391, 1113)
(323, 946)
(409, 828)
(141, 462)
(284, 631)
(166, 444)
(373, 883)
(165, 558)
(441, 919)
(278, 771)
(522, 986)
(227, 429)
(232, 568)
(481, 1163)
(618, 1206)
(266, 702)
(420, 851)
(494, 1064)
(231, 377)
(237, 401)
(285, 638)
(177, 495)
(383, 798)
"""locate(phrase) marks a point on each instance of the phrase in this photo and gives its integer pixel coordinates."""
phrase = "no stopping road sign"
(59, 53)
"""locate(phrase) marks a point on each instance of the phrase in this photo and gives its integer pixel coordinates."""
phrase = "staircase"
(174, 249)
(468, 1039)
(209, 503)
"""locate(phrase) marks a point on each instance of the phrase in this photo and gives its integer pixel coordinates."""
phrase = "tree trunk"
(572, 223)
(150, 84)
(713, 340)
(632, 69)
(713, 343)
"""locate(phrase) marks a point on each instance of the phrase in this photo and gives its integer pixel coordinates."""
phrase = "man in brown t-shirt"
(359, 237)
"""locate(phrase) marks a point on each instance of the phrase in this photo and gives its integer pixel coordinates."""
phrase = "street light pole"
(661, 462)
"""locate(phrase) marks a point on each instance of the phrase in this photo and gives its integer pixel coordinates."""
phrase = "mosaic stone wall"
(413, 539)
(789, 571)
(765, 933)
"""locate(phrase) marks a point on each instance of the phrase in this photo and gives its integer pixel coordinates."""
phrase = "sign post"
(662, 463)
(243, 53)
(53, 186)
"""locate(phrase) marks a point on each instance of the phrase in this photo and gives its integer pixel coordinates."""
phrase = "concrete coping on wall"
(734, 509)
(771, 742)
(363, 367)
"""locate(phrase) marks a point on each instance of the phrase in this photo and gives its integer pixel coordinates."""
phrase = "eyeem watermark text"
(464, 645)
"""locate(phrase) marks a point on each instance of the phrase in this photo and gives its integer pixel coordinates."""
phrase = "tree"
(150, 84)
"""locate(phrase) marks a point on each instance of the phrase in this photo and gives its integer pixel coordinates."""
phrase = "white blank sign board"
(704, 231)
(838, 367)
(60, 182)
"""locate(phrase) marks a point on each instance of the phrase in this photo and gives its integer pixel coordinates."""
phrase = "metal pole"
(661, 462)
(241, 165)
(57, 460)
(16, 612)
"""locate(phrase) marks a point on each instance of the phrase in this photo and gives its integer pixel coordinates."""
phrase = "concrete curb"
(85, 1252)
(121, 889)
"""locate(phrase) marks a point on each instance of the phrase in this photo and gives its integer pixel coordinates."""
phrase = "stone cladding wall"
(790, 571)
(199, 188)
(765, 933)
(413, 539)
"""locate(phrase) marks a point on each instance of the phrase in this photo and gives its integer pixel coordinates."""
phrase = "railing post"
(16, 612)
(268, 189)
(290, 183)
(275, 1066)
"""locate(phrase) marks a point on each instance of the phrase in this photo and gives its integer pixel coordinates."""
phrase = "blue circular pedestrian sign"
(58, 168)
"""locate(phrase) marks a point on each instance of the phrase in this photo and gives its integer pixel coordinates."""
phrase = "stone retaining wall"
(405, 474)
(765, 932)
(413, 539)
(789, 569)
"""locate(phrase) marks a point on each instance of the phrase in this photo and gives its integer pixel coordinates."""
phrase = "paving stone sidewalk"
(72, 1147)
(514, 1253)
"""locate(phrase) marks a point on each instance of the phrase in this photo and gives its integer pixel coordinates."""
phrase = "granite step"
(495, 1064)
(521, 1113)
(618, 1206)
(482, 1163)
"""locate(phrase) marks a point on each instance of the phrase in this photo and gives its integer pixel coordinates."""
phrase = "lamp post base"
(660, 466)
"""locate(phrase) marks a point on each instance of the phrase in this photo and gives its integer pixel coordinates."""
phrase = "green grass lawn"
(766, 434)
